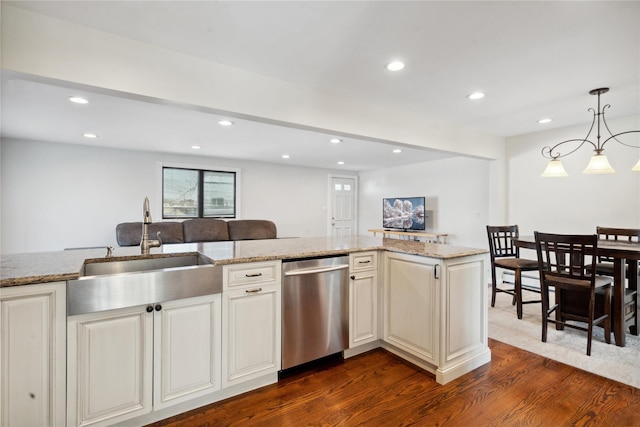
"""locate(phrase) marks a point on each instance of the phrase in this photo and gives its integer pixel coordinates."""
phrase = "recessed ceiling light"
(545, 120)
(225, 122)
(90, 135)
(476, 95)
(397, 150)
(196, 147)
(78, 100)
(395, 66)
(335, 140)
(286, 156)
(341, 162)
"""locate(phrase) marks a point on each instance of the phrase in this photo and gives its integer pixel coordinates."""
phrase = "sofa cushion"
(205, 230)
(251, 229)
(130, 233)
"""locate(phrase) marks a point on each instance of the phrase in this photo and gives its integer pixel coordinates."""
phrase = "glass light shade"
(554, 169)
(598, 164)
(636, 168)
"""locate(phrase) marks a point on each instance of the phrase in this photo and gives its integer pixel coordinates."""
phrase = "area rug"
(568, 346)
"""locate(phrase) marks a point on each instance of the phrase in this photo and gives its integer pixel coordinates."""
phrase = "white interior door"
(342, 210)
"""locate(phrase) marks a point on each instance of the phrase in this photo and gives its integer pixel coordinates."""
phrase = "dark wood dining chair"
(506, 255)
(604, 266)
(563, 262)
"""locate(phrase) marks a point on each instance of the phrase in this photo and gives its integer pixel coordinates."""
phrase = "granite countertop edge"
(57, 266)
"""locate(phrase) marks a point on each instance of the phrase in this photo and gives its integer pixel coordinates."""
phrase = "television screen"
(403, 213)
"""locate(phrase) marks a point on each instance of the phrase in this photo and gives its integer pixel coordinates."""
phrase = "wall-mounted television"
(403, 213)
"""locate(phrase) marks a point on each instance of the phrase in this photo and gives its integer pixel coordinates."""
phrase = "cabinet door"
(363, 296)
(464, 321)
(32, 352)
(250, 333)
(410, 301)
(110, 365)
(187, 346)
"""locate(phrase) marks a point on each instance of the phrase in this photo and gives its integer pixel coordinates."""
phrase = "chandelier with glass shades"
(598, 163)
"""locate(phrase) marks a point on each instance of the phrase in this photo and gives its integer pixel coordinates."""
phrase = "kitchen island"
(425, 302)
(44, 267)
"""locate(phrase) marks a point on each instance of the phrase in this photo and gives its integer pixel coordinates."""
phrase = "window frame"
(200, 169)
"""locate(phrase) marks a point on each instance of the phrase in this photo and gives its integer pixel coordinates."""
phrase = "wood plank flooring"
(377, 388)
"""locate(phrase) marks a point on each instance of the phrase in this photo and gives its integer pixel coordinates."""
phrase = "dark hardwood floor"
(517, 388)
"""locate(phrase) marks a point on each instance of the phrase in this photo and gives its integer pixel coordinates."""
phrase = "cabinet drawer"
(251, 274)
(363, 261)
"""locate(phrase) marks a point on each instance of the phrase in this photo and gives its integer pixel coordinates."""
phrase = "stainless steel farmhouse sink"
(106, 284)
(100, 267)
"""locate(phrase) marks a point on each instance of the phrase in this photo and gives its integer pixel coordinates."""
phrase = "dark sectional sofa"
(197, 230)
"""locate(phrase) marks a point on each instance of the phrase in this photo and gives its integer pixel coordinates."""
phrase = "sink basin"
(101, 267)
(106, 284)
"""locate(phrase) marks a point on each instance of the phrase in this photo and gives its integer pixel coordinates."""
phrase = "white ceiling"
(533, 59)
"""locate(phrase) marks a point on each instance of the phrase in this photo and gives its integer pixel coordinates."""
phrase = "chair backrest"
(563, 259)
(501, 241)
(622, 234)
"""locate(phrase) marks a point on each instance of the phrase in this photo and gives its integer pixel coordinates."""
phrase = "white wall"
(56, 196)
(51, 192)
(577, 203)
(457, 191)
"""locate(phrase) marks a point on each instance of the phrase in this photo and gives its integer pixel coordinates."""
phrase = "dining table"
(622, 252)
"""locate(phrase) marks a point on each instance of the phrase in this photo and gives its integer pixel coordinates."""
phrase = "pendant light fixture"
(599, 164)
(554, 169)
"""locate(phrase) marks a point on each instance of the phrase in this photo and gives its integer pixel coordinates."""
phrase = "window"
(197, 193)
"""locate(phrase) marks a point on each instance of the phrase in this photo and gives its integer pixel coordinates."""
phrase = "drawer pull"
(253, 275)
(253, 291)
(364, 262)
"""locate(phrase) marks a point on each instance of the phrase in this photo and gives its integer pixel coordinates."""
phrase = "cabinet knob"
(158, 307)
(353, 277)
(149, 309)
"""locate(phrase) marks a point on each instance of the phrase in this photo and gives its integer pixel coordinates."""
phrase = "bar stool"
(506, 255)
(562, 265)
(604, 266)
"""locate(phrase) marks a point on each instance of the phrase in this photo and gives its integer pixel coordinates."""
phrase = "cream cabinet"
(435, 312)
(127, 362)
(251, 302)
(363, 298)
(32, 355)
(410, 305)
(109, 366)
(187, 349)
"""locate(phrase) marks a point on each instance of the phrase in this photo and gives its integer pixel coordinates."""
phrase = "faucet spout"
(145, 243)
(146, 211)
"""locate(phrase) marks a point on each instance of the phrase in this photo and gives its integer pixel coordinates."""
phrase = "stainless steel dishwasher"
(315, 309)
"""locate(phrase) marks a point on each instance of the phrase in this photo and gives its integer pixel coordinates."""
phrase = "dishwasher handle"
(316, 270)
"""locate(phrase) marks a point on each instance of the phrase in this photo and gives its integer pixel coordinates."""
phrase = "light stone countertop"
(43, 267)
